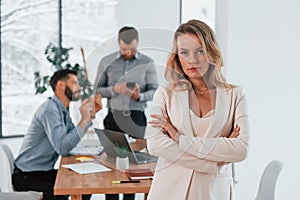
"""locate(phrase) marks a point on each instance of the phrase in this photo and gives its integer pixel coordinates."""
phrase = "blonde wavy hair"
(213, 78)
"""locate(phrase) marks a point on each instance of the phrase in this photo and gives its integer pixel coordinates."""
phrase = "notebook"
(110, 139)
(138, 174)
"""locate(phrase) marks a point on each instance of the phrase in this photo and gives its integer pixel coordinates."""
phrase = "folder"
(138, 174)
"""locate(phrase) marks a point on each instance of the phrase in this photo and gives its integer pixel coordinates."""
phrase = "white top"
(200, 125)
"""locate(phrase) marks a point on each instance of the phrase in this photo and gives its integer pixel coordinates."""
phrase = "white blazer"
(179, 161)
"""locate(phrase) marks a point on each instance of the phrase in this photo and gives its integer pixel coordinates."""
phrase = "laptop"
(110, 139)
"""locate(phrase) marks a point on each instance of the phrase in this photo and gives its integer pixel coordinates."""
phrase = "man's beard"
(129, 56)
(71, 95)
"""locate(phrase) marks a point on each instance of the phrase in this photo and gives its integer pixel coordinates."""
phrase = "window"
(27, 26)
(87, 24)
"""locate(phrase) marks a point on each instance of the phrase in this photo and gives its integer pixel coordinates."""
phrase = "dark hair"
(128, 34)
(60, 75)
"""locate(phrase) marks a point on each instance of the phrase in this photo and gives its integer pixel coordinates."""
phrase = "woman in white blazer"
(199, 122)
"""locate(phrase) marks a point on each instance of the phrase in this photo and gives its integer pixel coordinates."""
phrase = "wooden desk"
(71, 183)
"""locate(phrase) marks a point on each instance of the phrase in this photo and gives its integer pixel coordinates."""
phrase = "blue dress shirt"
(50, 134)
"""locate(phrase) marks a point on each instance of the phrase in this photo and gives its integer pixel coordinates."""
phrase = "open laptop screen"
(111, 140)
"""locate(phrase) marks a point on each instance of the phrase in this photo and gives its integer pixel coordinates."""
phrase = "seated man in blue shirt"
(52, 133)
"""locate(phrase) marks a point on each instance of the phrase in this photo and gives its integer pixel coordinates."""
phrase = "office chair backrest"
(6, 167)
(267, 185)
(9, 155)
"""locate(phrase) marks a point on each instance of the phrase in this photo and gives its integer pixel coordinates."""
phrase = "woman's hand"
(235, 133)
(163, 122)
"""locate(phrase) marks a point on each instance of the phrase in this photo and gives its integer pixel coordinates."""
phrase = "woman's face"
(191, 56)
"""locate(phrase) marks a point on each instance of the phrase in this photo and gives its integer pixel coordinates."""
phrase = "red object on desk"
(138, 174)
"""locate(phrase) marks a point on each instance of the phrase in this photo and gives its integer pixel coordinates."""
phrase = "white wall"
(262, 56)
(203, 10)
(155, 20)
(150, 14)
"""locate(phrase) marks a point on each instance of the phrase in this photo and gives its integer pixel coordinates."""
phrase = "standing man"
(51, 134)
(128, 80)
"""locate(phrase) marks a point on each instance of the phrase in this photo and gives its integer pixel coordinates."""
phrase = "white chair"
(235, 181)
(6, 168)
(267, 185)
(30, 195)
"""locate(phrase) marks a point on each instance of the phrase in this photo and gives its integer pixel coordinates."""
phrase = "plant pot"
(122, 163)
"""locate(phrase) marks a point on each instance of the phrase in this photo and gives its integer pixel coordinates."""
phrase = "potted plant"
(122, 160)
(58, 57)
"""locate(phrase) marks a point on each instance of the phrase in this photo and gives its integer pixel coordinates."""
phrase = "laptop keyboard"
(144, 156)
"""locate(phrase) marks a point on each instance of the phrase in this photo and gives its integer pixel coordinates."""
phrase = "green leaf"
(46, 79)
(76, 67)
(41, 90)
(122, 151)
(84, 96)
(58, 57)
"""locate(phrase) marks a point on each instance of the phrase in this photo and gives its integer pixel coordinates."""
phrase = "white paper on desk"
(87, 167)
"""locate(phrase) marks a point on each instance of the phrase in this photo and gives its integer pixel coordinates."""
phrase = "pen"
(118, 182)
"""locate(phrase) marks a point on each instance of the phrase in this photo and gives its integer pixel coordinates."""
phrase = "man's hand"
(87, 110)
(97, 102)
(121, 88)
(136, 93)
